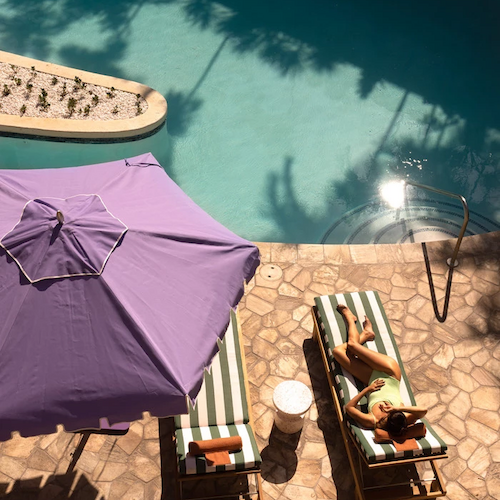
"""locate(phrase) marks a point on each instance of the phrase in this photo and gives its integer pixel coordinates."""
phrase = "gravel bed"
(29, 92)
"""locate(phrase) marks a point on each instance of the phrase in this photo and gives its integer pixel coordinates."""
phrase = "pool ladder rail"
(452, 262)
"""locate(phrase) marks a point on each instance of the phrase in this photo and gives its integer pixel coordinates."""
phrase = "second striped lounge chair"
(330, 331)
(222, 409)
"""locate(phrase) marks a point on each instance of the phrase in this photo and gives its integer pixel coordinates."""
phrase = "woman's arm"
(352, 410)
(412, 413)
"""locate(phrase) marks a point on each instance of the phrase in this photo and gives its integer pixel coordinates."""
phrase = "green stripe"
(181, 451)
(210, 393)
(239, 361)
(226, 389)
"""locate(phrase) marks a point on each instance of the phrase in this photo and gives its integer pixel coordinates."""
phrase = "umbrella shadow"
(62, 486)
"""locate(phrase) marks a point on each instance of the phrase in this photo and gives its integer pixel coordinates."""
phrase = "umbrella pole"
(78, 451)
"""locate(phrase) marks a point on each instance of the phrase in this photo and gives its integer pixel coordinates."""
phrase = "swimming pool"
(285, 118)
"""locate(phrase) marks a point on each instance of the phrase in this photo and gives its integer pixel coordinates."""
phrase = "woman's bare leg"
(351, 363)
(374, 359)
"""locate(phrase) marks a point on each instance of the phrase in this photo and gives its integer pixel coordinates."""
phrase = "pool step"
(419, 221)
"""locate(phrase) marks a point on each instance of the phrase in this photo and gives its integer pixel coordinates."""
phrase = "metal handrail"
(453, 262)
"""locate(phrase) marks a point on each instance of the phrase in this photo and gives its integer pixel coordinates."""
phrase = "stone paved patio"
(454, 368)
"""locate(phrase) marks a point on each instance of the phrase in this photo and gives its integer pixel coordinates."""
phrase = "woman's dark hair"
(396, 423)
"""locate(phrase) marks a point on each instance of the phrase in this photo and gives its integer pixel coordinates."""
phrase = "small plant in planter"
(115, 110)
(42, 100)
(71, 105)
(111, 93)
(54, 80)
(29, 87)
(64, 91)
(33, 72)
(95, 100)
(79, 84)
(18, 81)
(86, 110)
(138, 104)
(6, 90)
(22, 110)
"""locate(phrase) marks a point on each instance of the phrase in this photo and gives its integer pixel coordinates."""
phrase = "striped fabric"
(220, 410)
(333, 332)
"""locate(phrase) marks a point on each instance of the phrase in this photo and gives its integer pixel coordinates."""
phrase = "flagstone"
(486, 417)
(259, 372)
(289, 291)
(381, 284)
(493, 485)
(463, 380)
(487, 398)
(300, 312)
(269, 334)
(258, 305)
(484, 377)
(307, 473)
(314, 450)
(12, 467)
(286, 328)
(495, 451)
(290, 272)
(41, 460)
(453, 425)
(144, 468)
(19, 447)
(480, 358)
(461, 405)
(264, 349)
(493, 366)
(467, 447)
(110, 471)
(363, 254)
(415, 336)
(473, 483)
(415, 323)
(481, 432)
(95, 442)
(479, 461)
(293, 492)
(130, 441)
(267, 294)
(444, 356)
(310, 253)
(454, 468)
(325, 274)
(126, 490)
(302, 280)
(276, 318)
(282, 252)
(409, 352)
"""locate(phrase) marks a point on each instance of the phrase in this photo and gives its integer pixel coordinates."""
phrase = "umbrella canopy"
(114, 289)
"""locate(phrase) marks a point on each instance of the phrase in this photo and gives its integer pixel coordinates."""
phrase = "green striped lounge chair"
(221, 410)
(330, 331)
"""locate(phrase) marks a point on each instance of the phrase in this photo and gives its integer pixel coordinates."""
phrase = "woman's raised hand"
(376, 385)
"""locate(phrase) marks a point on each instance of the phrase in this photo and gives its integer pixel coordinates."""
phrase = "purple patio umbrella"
(114, 288)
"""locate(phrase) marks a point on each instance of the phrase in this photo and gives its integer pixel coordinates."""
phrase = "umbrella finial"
(60, 217)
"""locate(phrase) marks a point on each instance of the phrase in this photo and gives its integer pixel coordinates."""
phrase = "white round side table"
(291, 399)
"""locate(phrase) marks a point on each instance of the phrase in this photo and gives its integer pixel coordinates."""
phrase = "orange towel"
(405, 441)
(216, 451)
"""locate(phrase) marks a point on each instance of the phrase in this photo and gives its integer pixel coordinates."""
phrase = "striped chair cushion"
(247, 458)
(222, 397)
(220, 410)
(333, 332)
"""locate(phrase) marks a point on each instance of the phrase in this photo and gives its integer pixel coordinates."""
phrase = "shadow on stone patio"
(57, 487)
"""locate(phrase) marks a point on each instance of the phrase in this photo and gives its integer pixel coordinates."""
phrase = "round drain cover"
(271, 272)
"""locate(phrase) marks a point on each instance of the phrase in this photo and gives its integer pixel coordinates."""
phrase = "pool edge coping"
(148, 121)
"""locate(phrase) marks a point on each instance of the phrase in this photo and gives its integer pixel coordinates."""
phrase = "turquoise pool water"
(285, 117)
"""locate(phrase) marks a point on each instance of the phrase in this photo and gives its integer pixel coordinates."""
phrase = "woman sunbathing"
(380, 373)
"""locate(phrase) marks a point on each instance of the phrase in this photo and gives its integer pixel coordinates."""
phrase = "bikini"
(389, 392)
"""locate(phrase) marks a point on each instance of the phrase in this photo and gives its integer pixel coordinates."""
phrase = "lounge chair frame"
(415, 489)
(256, 471)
